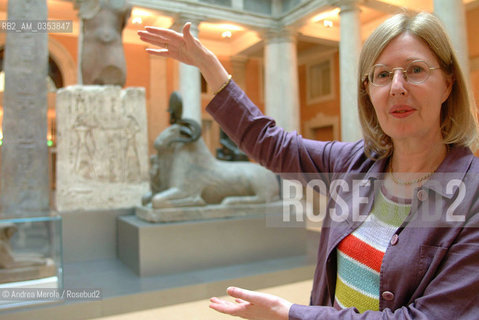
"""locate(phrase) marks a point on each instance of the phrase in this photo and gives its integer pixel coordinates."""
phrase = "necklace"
(407, 183)
(415, 181)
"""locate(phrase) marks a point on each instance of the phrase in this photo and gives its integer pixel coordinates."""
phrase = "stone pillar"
(453, 15)
(25, 186)
(190, 79)
(349, 49)
(158, 117)
(80, 52)
(237, 4)
(239, 70)
(276, 7)
(281, 78)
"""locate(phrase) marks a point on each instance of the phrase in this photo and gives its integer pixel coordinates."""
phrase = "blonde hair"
(458, 113)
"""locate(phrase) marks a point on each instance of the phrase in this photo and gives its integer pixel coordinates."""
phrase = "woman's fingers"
(225, 306)
(228, 303)
(217, 300)
(252, 305)
(158, 52)
(185, 48)
(187, 33)
(241, 301)
(165, 33)
(155, 38)
(181, 46)
(243, 294)
(154, 42)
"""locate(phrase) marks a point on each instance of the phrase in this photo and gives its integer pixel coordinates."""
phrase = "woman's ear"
(366, 85)
(447, 91)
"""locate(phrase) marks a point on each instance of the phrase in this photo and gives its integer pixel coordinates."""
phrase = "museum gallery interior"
(97, 136)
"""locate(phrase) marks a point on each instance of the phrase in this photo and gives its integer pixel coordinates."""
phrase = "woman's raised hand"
(182, 47)
(252, 305)
(186, 49)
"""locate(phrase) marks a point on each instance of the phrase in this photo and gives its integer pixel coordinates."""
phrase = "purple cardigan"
(431, 268)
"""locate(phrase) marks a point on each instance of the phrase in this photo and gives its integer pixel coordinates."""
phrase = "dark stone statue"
(229, 151)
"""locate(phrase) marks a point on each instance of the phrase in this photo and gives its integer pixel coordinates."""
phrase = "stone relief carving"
(101, 145)
(132, 166)
(117, 160)
(85, 145)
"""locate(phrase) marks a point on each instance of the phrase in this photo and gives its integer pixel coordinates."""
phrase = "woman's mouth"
(401, 111)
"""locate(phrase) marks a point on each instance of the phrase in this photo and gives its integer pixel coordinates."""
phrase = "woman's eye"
(415, 69)
(383, 74)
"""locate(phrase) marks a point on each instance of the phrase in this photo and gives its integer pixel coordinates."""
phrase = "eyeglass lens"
(415, 72)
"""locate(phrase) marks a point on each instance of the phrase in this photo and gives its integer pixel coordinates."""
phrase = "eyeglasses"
(416, 72)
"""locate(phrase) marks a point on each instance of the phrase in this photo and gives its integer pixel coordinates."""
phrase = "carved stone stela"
(102, 152)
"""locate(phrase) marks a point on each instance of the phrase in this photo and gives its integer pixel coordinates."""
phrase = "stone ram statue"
(185, 173)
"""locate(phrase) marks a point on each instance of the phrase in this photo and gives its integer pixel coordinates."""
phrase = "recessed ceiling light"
(325, 15)
(328, 23)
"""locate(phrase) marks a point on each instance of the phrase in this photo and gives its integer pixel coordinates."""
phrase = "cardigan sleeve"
(262, 140)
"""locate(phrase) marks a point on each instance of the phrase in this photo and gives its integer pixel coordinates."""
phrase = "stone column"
(24, 179)
(158, 117)
(239, 70)
(281, 78)
(190, 79)
(237, 4)
(349, 49)
(80, 52)
(453, 15)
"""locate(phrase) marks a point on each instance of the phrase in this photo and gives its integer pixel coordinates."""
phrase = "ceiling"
(241, 39)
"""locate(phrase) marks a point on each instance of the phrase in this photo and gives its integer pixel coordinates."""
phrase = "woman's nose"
(398, 83)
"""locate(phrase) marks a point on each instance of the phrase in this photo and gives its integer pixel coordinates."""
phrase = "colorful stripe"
(348, 296)
(356, 274)
(360, 255)
(361, 252)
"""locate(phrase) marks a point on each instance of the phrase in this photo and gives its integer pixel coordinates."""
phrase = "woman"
(408, 248)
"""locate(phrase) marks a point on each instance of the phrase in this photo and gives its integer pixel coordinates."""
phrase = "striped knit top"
(360, 254)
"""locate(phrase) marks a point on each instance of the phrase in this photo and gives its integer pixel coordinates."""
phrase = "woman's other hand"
(252, 305)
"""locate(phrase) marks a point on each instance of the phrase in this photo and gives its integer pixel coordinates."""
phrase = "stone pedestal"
(167, 248)
(48, 269)
(102, 157)
(207, 212)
